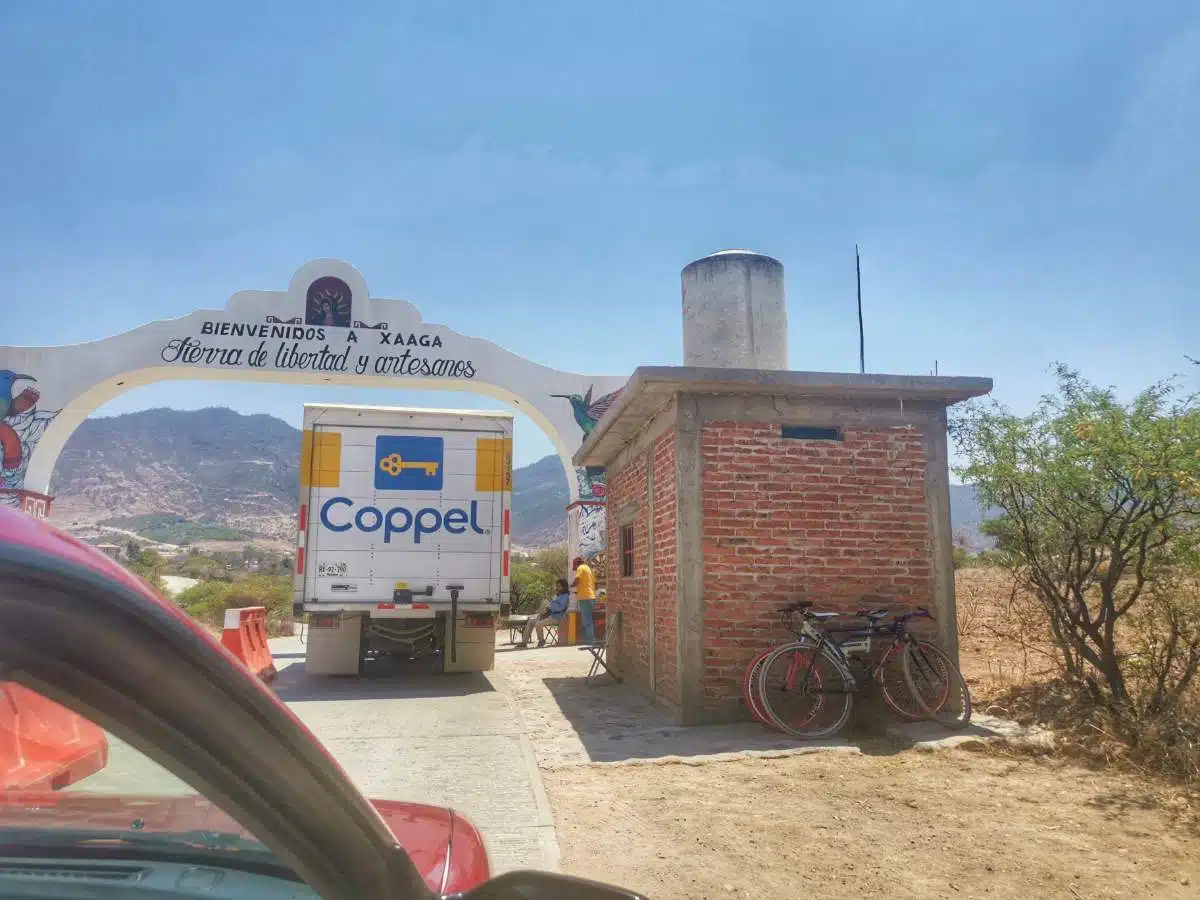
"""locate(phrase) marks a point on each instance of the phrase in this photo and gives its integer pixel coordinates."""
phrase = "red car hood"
(435, 837)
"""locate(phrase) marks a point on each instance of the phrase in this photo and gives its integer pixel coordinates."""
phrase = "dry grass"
(1010, 665)
(881, 825)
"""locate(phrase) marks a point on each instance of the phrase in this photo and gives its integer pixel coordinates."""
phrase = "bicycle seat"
(800, 606)
(872, 614)
(822, 616)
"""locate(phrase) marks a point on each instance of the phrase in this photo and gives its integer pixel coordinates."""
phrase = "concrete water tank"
(734, 313)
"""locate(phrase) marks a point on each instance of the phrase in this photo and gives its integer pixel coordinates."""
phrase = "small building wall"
(665, 587)
(737, 507)
(641, 492)
(786, 519)
(628, 595)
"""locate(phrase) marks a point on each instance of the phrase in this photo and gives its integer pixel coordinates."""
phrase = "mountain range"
(219, 474)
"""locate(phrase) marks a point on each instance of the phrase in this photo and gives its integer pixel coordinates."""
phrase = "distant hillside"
(212, 466)
(540, 500)
(967, 516)
(214, 474)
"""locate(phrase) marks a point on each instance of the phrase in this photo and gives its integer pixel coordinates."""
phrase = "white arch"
(59, 431)
(256, 338)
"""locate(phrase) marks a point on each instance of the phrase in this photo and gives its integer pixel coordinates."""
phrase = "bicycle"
(817, 667)
(750, 679)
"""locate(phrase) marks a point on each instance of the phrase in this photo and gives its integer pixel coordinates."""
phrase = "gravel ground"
(735, 811)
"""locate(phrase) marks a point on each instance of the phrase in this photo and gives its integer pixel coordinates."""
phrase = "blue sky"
(1022, 177)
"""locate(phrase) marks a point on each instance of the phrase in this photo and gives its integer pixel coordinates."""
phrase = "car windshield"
(72, 790)
(724, 448)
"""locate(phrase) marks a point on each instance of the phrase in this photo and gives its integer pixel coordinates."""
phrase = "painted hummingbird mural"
(587, 413)
(13, 404)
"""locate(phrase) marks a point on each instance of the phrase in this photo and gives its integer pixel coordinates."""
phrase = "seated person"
(553, 611)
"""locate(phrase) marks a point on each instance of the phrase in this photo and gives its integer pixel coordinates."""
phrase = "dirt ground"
(951, 823)
(992, 664)
(984, 822)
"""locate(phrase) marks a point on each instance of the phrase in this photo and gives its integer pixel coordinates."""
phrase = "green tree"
(151, 566)
(204, 568)
(530, 585)
(1100, 503)
(552, 559)
(206, 602)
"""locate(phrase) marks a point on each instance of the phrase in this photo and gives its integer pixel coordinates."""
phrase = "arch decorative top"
(325, 329)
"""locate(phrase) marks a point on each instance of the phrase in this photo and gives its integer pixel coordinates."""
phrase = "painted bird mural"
(587, 413)
(13, 404)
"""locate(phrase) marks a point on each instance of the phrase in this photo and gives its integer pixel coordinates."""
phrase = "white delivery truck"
(403, 539)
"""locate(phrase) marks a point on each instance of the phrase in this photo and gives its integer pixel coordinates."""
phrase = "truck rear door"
(409, 509)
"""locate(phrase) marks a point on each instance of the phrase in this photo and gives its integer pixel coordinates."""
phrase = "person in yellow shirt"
(584, 586)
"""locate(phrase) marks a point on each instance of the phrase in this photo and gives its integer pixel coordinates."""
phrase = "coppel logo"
(400, 519)
(409, 462)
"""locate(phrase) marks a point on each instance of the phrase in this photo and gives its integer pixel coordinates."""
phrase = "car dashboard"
(22, 878)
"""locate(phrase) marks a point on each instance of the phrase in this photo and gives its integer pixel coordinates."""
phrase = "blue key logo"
(408, 463)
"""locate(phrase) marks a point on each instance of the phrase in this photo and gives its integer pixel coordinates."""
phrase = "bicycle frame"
(897, 629)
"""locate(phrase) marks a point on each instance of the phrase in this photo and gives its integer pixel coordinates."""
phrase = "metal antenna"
(862, 353)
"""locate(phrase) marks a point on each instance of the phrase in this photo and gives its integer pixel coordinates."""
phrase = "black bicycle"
(806, 687)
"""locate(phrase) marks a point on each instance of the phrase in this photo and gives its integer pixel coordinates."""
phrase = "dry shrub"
(1157, 732)
(1163, 747)
(1015, 671)
(972, 603)
(206, 602)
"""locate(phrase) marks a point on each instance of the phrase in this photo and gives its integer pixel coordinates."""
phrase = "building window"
(809, 433)
(626, 551)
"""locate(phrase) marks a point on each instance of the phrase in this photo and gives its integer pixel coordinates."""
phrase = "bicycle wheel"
(803, 692)
(937, 685)
(750, 689)
(893, 685)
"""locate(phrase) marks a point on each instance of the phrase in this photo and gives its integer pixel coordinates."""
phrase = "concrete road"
(450, 740)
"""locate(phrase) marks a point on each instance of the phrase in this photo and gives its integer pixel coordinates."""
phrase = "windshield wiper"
(215, 847)
(199, 839)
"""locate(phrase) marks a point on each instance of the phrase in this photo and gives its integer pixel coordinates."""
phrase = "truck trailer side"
(403, 535)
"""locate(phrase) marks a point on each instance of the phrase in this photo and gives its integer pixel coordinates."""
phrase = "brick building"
(734, 491)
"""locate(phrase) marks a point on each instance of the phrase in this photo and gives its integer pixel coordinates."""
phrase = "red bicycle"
(790, 687)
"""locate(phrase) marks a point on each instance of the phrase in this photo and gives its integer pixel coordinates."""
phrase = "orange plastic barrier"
(44, 746)
(245, 635)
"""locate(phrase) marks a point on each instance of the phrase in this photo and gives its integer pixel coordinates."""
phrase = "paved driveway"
(449, 740)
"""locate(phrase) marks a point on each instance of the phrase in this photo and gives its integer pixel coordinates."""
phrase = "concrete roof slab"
(651, 388)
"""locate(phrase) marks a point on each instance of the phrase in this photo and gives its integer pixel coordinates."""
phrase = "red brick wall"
(665, 599)
(789, 519)
(627, 491)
